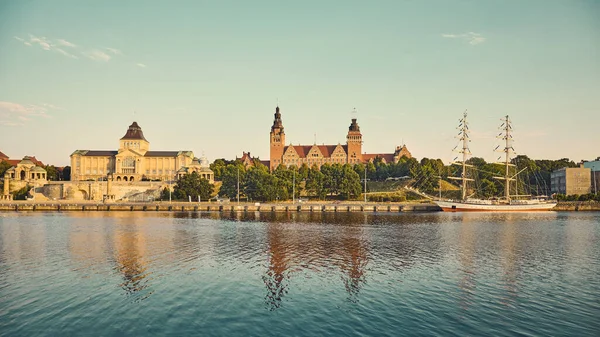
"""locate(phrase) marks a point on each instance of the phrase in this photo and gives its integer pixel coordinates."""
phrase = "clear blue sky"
(206, 75)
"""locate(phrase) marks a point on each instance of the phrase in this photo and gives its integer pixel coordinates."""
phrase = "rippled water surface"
(164, 274)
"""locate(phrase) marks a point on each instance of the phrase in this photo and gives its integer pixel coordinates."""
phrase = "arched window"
(124, 178)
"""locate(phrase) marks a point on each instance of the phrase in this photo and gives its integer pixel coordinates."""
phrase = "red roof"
(14, 162)
(388, 157)
(303, 150)
(327, 150)
(3, 156)
(35, 161)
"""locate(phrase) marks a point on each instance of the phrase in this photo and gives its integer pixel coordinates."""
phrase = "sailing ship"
(507, 203)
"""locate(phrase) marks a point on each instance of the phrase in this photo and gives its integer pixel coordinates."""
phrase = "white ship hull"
(461, 206)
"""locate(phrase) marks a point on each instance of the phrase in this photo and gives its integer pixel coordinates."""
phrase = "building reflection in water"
(130, 247)
(23, 243)
(466, 255)
(292, 249)
(354, 259)
(275, 278)
(509, 260)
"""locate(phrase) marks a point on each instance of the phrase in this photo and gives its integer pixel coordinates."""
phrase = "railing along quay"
(213, 207)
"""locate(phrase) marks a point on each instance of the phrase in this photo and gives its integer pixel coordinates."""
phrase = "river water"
(300, 274)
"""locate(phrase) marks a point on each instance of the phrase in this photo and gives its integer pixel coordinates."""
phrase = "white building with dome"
(201, 167)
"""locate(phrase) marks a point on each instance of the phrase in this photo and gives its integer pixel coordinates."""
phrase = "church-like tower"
(277, 140)
(354, 143)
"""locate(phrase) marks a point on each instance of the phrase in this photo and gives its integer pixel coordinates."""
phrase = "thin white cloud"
(114, 51)
(97, 55)
(471, 37)
(41, 41)
(65, 43)
(27, 43)
(141, 65)
(67, 54)
(61, 46)
(15, 114)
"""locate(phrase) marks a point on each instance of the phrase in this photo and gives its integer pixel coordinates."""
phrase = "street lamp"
(365, 183)
(170, 180)
(294, 187)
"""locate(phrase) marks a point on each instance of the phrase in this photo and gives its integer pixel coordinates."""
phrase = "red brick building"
(351, 152)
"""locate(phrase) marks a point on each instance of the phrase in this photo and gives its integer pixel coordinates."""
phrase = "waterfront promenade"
(217, 207)
(49, 206)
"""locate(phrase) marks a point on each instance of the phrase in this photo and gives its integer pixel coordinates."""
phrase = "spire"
(354, 126)
(277, 123)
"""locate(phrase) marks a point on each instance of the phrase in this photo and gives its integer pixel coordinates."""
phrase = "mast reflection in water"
(135, 273)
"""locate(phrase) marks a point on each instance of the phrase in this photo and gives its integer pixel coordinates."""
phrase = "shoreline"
(18, 206)
(60, 206)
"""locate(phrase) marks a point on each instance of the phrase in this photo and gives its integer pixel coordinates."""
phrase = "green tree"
(192, 185)
(4, 166)
(51, 172)
(262, 186)
(66, 173)
(164, 194)
(315, 183)
(217, 167)
(22, 194)
(229, 178)
(349, 182)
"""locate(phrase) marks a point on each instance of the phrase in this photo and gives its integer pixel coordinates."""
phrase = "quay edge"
(210, 207)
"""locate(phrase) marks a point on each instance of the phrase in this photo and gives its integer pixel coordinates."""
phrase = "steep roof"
(98, 153)
(3, 156)
(134, 132)
(326, 150)
(27, 159)
(167, 153)
(388, 157)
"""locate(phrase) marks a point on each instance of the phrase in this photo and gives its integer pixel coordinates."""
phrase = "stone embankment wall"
(215, 207)
(95, 190)
(577, 206)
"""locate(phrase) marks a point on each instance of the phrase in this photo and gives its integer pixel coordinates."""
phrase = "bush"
(22, 193)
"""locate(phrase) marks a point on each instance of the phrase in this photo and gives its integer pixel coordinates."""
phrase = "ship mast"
(464, 137)
(465, 151)
(508, 149)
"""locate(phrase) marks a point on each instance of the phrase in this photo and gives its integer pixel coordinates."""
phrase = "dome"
(134, 132)
(204, 162)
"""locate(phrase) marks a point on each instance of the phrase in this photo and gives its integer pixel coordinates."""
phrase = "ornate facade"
(25, 172)
(350, 153)
(133, 161)
(201, 167)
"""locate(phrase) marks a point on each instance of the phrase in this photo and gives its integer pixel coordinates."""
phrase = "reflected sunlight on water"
(135, 273)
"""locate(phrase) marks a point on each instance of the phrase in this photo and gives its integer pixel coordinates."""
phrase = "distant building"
(248, 160)
(350, 153)
(569, 181)
(3, 157)
(133, 161)
(201, 167)
(24, 172)
(594, 166)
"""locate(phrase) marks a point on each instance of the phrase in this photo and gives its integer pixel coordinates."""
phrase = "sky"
(206, 76)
